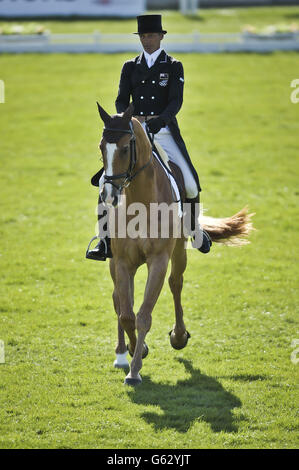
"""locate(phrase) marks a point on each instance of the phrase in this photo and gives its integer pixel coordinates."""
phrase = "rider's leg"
(201, 239)
(102, 250)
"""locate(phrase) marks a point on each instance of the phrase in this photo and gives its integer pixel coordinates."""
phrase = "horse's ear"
(129, 112)
(104, 116)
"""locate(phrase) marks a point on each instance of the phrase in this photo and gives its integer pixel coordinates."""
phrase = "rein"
(128, 175)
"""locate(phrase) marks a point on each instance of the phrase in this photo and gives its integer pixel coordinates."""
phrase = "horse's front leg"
(121, 348)
(157, 267)
(124, 290)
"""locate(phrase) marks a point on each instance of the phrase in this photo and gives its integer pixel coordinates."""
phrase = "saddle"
(178, 176)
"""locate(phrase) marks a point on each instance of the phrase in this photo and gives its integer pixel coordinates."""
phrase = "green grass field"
(235, 385)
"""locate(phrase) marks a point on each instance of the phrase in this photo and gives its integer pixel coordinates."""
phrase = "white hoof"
(121, 361)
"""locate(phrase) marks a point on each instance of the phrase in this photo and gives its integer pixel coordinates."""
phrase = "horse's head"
(119, 154)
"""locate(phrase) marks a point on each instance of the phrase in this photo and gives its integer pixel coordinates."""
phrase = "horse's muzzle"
(110, 198)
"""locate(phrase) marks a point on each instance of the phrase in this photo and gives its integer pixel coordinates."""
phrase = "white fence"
(114, 43)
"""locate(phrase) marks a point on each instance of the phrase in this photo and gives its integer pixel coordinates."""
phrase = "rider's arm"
(175, 93)
(124, 90)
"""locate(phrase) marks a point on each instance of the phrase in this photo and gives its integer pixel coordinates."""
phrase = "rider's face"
(151, 41)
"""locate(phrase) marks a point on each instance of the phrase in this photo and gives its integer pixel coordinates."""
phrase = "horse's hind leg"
(179, 335)
(157, 268)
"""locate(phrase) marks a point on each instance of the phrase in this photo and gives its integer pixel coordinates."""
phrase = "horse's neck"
(143, 187)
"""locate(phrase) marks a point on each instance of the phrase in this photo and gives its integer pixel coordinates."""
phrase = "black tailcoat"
(156, 91)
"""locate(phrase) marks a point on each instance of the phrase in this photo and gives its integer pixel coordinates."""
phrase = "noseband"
(128, 175)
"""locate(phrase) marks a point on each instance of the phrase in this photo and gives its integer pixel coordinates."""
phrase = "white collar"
(153, 56)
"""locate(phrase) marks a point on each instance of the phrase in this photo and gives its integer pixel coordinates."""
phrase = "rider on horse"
(155, 81)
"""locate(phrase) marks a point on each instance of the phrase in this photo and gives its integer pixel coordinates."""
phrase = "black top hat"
(150, 24)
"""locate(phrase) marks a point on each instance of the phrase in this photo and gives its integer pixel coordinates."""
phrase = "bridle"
(127, 176)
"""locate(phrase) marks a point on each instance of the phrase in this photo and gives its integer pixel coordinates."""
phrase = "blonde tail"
(232, 230)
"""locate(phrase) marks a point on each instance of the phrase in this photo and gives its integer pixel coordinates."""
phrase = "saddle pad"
(162, 154)
(173, 183)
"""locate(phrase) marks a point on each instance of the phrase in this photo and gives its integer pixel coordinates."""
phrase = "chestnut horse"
(131, 170)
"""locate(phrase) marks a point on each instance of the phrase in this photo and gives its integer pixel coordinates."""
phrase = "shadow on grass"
(198, 398)
(246, 377)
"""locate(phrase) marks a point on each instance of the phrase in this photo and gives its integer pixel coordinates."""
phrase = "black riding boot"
(201, 239)
(102, 250)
